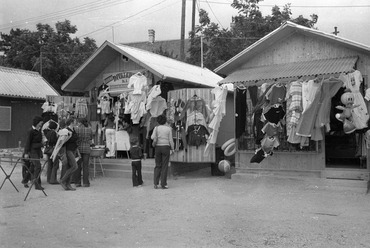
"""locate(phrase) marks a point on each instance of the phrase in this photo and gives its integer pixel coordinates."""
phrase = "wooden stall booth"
(289, 99)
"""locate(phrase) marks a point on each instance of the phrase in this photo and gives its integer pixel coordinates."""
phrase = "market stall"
(301, 105)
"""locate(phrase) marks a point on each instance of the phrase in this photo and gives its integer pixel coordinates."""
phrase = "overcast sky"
(127, 21)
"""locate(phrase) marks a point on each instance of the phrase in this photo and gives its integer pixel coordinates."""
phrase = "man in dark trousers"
(32, 150)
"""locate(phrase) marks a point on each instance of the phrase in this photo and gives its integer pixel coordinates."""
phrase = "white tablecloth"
(123, 141)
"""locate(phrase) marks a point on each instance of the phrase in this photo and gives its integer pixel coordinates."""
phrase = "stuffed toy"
(346, 116)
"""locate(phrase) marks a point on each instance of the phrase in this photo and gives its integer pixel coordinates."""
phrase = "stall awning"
(292, 70)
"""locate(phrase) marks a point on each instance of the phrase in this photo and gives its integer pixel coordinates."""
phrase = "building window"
(5, 118)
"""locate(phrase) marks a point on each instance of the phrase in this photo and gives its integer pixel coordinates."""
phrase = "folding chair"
(95, 156)
(7, 176)
(35, 178)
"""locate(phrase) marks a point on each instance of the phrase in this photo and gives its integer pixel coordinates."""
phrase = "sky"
(125, 21)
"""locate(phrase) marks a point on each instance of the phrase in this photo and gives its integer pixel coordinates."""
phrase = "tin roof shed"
(24, 84)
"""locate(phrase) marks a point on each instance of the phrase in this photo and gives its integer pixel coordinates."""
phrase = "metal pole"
(193, 17)
(182, 48)
(201, 51)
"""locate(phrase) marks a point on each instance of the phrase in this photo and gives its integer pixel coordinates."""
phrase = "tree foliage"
(248, 26)
(52, 52)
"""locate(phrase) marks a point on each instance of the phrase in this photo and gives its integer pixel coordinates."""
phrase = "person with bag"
(164, 146)
(51, 140)
(67, 140)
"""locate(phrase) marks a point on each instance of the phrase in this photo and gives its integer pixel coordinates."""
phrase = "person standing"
(164, 146)
(32, 151)
(110, 135)
(136, 156)
(71, 150)
(85, 136)
(52, 138)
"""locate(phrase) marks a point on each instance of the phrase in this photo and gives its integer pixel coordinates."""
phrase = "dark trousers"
(71, 167)
(36, 166)
(82, 167)
(51, 173)
(137, 178)
(63, 157)
(162, 158)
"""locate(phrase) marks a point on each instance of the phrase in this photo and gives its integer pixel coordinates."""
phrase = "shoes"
(69, 187)
(26, 185)
(164, 187)
(78, 185)
(52, 182)
(86, 185)
(39, 188)
(64, 185)
(156, 186)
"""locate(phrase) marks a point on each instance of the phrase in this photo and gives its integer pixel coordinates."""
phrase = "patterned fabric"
(85, 136)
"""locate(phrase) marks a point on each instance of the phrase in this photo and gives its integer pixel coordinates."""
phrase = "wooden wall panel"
(299, 48)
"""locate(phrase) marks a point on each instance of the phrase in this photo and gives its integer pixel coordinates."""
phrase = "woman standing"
(85, 135)
(110, 133)
(162, 136)
(33, 151)
(52, 138)
(71, 150)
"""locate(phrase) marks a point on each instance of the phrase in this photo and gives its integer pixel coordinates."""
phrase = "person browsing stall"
(164, 146)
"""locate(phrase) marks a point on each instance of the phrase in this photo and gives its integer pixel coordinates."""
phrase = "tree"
(247, 27)
(51, 52)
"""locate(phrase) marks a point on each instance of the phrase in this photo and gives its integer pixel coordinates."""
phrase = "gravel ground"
(196, 211)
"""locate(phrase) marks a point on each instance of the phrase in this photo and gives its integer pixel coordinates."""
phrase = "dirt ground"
(196, 211)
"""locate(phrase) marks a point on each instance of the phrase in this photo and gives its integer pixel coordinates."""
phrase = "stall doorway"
(345, 154)
(344, 151)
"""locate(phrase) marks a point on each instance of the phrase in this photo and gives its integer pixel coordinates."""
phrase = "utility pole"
(182, 45)
(113, 33)
(40, 62)
(193, 16)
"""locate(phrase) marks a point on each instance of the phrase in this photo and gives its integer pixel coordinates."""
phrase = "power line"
(214, 13)
(124, 18)
(299, 6)
(85, 8)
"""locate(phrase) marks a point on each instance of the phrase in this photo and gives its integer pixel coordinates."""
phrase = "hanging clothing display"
(240, 110)
(352, 81)
(139, 82)
(81, 108)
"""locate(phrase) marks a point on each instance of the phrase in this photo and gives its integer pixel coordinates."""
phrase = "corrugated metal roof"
(163, 67)
(172, 68)
(24, 84)
(292, 70)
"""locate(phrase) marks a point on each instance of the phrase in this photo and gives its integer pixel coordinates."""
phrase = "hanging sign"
(118, 81)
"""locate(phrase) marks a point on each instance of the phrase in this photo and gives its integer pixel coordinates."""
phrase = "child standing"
(136, 156)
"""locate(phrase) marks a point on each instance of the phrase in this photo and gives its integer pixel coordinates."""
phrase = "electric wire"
(214, 14)
(81, 9)
(137, 13)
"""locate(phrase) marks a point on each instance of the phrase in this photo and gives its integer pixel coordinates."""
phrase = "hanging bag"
(48, 150)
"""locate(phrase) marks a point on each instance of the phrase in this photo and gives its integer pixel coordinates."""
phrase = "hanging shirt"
(81, 108)
(139, 82)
